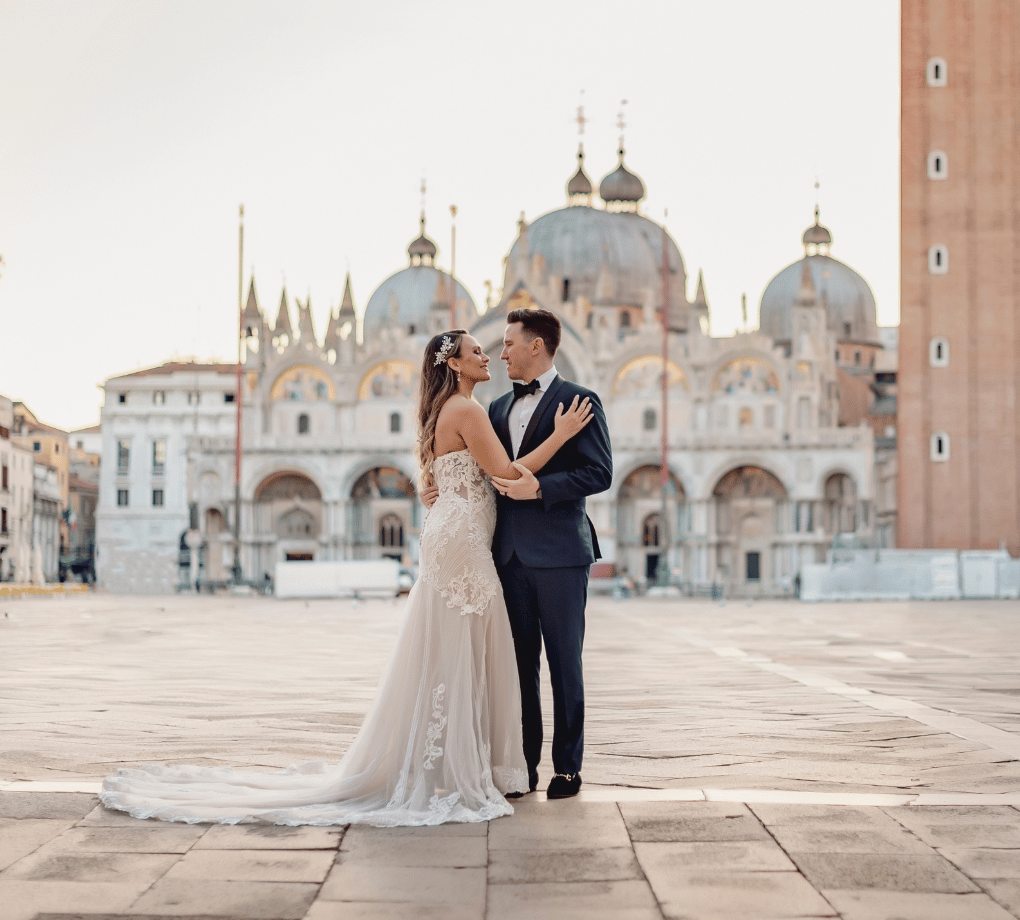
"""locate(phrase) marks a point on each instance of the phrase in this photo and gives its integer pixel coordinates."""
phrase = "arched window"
(938, 351)
(302, 424)
(652, 530)
(650, 419)
(391, 531)
(940, 447)
(936, 72)
(625, 319)
(938, 165)
(566, 290)
(394, 422)
(938, 260)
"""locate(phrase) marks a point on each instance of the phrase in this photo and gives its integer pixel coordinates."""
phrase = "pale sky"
(131, 132)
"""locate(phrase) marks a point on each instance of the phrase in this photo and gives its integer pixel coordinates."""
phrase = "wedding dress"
(442, 739)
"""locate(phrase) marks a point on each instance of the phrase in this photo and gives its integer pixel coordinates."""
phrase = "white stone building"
(46, 502)
(16, 499)
(762, 472)
(154, 424)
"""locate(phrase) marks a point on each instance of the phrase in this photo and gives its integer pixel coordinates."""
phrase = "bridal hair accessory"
(445, 347)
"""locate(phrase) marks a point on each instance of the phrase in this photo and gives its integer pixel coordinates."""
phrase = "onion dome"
(579, 188)
(422, 251)
(622, 187)
(817, 235)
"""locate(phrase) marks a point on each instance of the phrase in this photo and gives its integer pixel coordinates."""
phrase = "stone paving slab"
(248, 900)
(432, 885)
(899, 905)
(753, 762)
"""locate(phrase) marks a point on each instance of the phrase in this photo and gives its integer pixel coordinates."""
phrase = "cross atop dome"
(579, 188)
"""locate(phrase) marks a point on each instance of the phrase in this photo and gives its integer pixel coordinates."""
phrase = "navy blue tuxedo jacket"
(554, 531)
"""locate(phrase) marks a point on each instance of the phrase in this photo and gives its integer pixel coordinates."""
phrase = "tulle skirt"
(441, 742)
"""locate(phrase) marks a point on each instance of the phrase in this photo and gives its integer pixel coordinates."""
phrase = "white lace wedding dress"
(442, 739)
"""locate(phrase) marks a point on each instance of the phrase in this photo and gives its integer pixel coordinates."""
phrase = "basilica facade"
(771, 451)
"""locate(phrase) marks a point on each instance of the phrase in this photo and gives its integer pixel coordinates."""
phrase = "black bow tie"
(526, 389)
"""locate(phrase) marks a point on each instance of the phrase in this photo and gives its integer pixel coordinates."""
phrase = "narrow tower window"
(394, 422)
(302, 424)
(938, 351)
(937, 71)
(940, 447)
(938, 165)
(938, 260)
(650, 420)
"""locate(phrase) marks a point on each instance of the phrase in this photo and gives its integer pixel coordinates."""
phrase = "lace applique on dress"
(435, 730)
(456, 540)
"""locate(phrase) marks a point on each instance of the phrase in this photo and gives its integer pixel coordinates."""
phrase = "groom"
(544, 542)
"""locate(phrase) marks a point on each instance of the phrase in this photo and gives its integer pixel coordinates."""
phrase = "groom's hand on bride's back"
(428, 496)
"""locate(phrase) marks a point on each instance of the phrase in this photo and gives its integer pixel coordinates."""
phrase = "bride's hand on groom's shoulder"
(523, 489)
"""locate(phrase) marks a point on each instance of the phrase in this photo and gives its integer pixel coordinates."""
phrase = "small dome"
(621, 185)
(406, 297)
(848, 300)
(579, 184)
(422, 251)
(817, 235)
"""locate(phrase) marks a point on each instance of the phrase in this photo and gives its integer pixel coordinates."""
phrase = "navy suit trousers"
(548, 604)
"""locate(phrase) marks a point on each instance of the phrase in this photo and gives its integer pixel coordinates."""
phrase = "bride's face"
(472, 362)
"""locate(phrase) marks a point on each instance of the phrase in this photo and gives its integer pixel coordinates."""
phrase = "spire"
(700, 300)
(331, 339)
(346, 314)
(305, 326)
(252, 316)
(806, 293)
(282, 324)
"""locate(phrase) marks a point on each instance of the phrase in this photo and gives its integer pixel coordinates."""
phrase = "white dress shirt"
(522, 410)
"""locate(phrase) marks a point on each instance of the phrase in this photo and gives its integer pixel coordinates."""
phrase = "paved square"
(769, 760)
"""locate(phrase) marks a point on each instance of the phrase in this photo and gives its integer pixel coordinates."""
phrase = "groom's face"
(519, 352)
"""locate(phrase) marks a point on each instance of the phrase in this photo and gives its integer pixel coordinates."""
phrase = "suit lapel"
(502, 414)
(541, 411)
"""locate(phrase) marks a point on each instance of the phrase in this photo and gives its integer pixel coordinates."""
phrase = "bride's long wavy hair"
(438, 384)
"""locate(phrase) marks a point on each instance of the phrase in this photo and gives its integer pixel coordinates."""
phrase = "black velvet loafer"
(563, 786)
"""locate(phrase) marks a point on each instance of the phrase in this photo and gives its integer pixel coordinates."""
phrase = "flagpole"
(237, 399)
(662, 572)
(453, 266)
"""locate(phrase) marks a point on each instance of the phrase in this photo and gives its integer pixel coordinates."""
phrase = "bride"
(442, 739)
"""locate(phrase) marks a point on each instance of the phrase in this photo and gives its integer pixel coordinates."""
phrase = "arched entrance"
(840, 504)
(288, 519)
(642, 536)
(747, 501)
(382, 514)
(214, 545)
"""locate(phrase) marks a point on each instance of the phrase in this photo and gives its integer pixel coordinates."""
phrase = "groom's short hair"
(540, 324)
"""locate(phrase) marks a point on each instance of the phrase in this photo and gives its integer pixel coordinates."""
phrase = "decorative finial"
(581, 121)
(241, 212)
(422, 204)
(621, 122)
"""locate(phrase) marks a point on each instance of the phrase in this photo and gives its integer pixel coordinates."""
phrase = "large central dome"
(606, 256)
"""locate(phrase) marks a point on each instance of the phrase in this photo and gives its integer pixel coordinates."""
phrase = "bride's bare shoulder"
(460, 407)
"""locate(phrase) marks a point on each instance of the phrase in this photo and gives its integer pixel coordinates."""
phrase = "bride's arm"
(472, 423)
